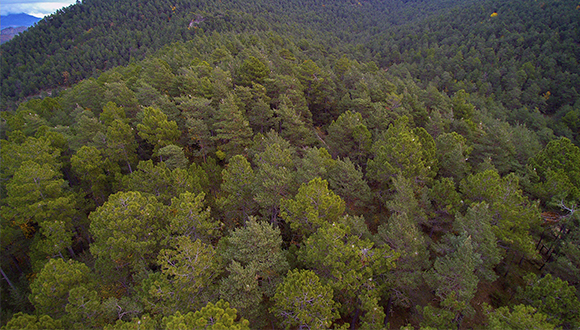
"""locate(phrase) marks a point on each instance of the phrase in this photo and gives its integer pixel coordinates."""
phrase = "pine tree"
(257, 264)
(454, 280)
(275, 176)
(51, 288)
(233, 131)
(157, 130)
(313, 206)
(212, 317)
(127, 230)
(238, 183)
(303, 301)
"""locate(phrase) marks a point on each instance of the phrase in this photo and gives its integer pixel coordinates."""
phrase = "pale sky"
(38, 8)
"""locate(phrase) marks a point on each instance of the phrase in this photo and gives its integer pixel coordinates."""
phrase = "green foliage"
(552, 297)
(144, 322)
(88, 164)
(275, 177)
(402, 234)
(461, 108)
(347, 181)
(190, 218)
(257, 107)
(453, 277)
(428, 132)
(353, 267)
(238, 183)
(218, 316)
(232, 128)
(160, 181)
(293, 126)
(566, 262)
(496, 146)
(453, 153)
(190, 267)
(198, 117)
(315, 163)
(111, 112)
(313, 206)
(38, 198)
(241, 287)
(252, 70)
(51, 289)
(401, 150)
(87, 129)
(348, 136)
(83, 308)
(156, 129)
(88, 94)
(405, 201)
(33, 322)
(121, 144)
(260, 243)
(477, 224)
(519, 317)
(512, 214)
(173, 157)
(24, 120)
(436, 318)
(39, 150)
(555, 172)
(127, 229)
(257, 264)
(444, 196)
(302, 300)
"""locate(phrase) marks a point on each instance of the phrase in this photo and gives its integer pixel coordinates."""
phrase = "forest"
(251, 164)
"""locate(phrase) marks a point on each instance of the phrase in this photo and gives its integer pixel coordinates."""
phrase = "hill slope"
(524, 55)
(84, 39)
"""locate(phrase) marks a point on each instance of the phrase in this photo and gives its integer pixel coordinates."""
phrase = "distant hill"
(9, 33)
(17, 20)
(13, 24)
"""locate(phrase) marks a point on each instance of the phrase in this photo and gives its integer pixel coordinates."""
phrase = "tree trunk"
(388, 310)
(459, 320)
(71, 251)
(540, 241)
(354, 319)
(8, 280)
(130, 170)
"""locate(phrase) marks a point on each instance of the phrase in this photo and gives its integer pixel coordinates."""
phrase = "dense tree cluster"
(251, 178)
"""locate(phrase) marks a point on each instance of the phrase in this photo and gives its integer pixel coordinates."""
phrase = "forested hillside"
(82, 41)
(524, 55)
(302, 164)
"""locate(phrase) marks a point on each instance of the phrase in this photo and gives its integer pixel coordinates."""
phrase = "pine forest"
(297, 164)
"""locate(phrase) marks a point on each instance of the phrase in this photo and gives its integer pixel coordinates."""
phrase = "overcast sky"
(38, 8)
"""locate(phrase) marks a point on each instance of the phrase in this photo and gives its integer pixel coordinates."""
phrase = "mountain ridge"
(17, 20)
(13, 24)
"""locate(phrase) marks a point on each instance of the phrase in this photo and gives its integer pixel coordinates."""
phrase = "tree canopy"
(292, 164)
